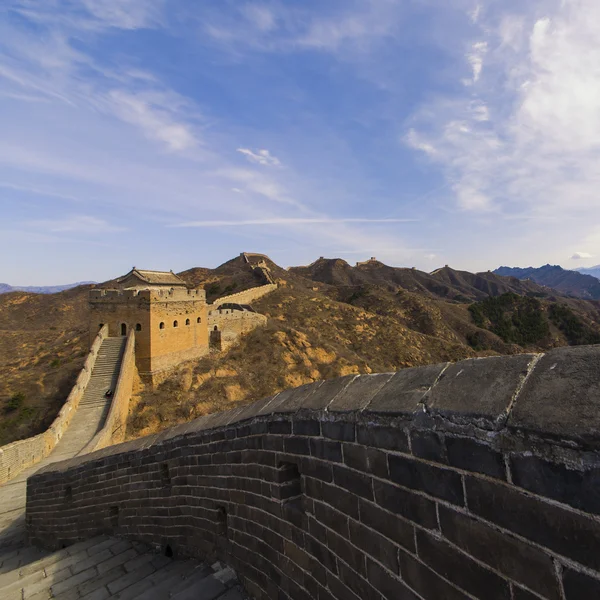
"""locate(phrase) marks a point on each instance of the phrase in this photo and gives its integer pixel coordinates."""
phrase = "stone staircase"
(110, 568)
(102, 567)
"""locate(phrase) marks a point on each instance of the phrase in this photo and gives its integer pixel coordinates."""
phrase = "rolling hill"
(324, 320)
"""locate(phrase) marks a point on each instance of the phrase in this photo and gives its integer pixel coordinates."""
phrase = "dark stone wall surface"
(478, 479)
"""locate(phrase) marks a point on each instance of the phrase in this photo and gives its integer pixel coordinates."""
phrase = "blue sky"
(168, 134)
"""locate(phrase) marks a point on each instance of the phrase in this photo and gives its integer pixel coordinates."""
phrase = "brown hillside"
(325, 320)
(309, 337)
(43, 344)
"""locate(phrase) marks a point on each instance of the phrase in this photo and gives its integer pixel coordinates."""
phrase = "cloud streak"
(261, 157)
(289, 221)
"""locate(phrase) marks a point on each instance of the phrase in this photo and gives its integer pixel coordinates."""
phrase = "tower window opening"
(138, 327)
(123, 329)
(187, 321)
(175, 324)
(161, 326)
(198, 320)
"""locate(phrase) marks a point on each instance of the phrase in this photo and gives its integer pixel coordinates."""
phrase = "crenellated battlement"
(174, 294)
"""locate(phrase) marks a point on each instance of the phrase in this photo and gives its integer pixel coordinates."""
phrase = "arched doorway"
(123, 329)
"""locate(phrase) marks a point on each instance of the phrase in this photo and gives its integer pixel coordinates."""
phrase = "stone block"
(357, 395)
(326, 449)
(413, 507)
(404, 391)
(357, 583)
(296, 445)
(520, 593)
(339, 498)
(356, 483)
(343, 549)
(579, 585)
(441, 483)
(560, 529)
(258, 408)
(339, 430)
(332, 519)
(562, 396)
(391, 526)
(280, 427)
(307, 427)
(388, 584)
(428, 445)
(517, 560)
(580, 489)
(471, 455)
(339, 590)
(374, 545)
(292, 399)
(426, 582)
(460, 570)
(317, 469)
(479, 390)
(382, 436)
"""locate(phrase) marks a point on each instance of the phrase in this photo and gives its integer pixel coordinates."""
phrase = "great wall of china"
(471, 480)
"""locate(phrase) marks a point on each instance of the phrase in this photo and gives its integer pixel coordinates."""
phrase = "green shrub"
(15, 402)
(55, 363)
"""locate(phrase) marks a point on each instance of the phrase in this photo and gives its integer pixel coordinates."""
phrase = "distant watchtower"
(170, 321)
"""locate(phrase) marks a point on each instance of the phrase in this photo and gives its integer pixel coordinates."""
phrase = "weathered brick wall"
(113, 431)
(20, 455)
(247, 296)
(471, 480)
(233, 323)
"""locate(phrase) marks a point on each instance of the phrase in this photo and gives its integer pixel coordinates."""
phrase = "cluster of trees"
(513, 318)
(526, 321)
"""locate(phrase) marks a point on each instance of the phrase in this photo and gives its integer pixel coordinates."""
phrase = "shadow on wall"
(424, 483)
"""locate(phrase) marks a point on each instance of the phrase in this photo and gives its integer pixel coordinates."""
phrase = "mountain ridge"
(6, 288)
(570, 283)
(325, 320)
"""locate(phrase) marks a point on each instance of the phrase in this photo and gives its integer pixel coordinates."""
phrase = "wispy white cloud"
(290, 221)
(261, 157)
(76, 224)
(347, 27)
(524, 137)
(475, 58)
(581, 255)
(152, 114)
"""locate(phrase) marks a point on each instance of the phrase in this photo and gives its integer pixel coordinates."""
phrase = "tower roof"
(154, 278)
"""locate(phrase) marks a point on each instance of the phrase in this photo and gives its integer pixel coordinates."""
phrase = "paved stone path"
(103, 567)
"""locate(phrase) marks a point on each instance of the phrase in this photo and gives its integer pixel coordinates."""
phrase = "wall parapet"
(22, 454)
(115, 295)
(246, 296)
(113, 431)
(468, 480)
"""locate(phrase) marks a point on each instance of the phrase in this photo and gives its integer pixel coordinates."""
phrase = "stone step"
(107, 568)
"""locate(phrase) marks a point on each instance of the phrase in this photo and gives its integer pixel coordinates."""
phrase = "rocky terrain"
(325, 320)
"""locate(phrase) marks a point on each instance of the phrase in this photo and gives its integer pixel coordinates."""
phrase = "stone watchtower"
(169, 320)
